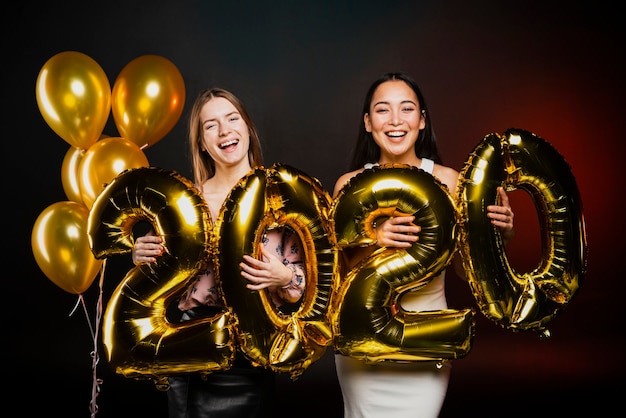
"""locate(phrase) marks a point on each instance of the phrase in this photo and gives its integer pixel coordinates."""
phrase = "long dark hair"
(367, 151)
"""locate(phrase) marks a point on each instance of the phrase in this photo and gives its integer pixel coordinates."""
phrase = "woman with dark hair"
(225, 147)
(395, 127)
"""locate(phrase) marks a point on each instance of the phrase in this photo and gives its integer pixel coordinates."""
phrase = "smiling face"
(225, 134)
(394, 120)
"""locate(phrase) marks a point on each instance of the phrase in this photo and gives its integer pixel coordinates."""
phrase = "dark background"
(302, 67)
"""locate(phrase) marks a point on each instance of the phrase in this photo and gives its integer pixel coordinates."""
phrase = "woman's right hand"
(146, 249)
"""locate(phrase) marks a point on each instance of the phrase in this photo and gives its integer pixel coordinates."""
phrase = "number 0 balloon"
(280, 195)
(521, 159)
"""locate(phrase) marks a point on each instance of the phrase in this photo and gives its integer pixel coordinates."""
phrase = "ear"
(368, 124)
(422, 120)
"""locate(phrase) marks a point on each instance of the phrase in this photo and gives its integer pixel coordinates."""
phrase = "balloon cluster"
(75, 99)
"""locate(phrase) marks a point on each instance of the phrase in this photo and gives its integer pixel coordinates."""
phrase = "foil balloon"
(139, 340)
(103, 161)
(74, 97)
(147, 99)
(69, 174)
(515, 300)
(368, 322)
(60, 245)
(280, 195)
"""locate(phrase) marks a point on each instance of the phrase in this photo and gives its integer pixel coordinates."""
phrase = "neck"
(226, 177)
(412, 160)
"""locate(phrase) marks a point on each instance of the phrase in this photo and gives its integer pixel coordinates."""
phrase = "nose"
(224, 129)
(395, 118)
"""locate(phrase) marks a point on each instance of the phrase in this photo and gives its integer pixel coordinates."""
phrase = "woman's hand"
(267, 272)
(146, 249)
(502, 216)
(397, 231)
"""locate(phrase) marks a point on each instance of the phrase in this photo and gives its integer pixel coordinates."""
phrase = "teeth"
(226, 144)
(396, 133)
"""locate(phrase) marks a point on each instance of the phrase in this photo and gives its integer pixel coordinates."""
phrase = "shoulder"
(343, 179)
(447, 175)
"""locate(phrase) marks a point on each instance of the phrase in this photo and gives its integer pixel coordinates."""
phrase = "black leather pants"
(242, 391)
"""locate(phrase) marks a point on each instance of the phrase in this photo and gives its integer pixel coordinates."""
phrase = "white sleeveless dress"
(397, 390)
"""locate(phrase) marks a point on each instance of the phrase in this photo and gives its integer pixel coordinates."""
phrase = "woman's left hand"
(502, 216)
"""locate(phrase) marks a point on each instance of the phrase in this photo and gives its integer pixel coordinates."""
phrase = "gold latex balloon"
(61, 246)
(74, 97)
(368, 322)
(521, 160)
(264, 199)
(103, 161)
(147, 99)
(139, 340)
(69, 174)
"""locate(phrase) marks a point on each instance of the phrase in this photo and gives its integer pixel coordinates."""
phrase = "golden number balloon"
(61, 246)
(74, 97)
(521, 160)
(139, 340)
(368, 323)
(147, 99)
(263, 199)
(358, 313)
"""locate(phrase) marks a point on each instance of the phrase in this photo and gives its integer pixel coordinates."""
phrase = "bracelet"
(293, 274)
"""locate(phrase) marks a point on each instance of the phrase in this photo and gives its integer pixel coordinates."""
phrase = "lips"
(395, 134)
(227, 144)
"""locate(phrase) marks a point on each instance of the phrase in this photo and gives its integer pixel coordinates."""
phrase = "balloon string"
(76, 306)
(96, 382)
(81, 301)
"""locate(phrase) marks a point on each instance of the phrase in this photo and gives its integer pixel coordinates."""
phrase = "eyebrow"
(234, 112)
(388, 103)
